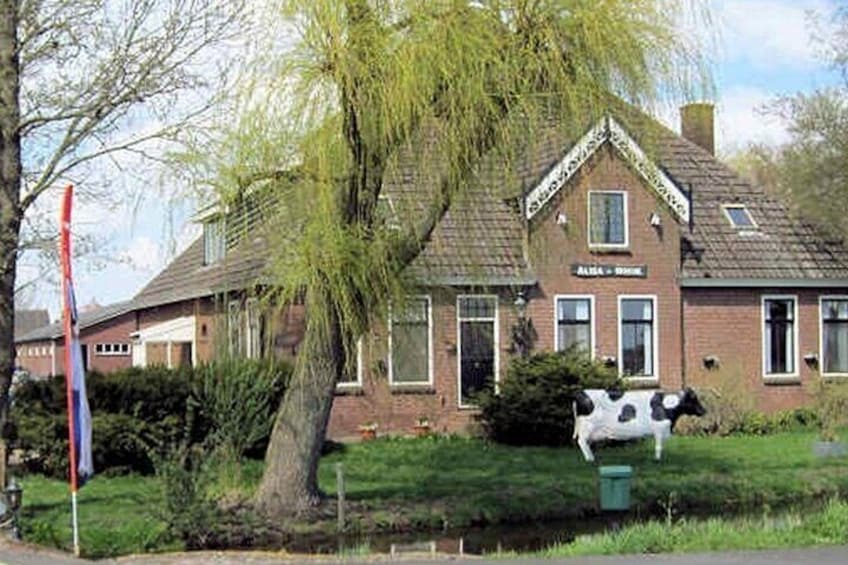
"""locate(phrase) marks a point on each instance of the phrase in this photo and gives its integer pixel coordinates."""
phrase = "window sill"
(610, 250)
(779, 380)
(349, 390)
(413, 389)
(834, 376)
(642, 382)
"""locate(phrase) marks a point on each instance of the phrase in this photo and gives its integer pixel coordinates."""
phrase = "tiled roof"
(86, 320)
(186, 277)
(780, 248)
(480, 239)
(29, 320)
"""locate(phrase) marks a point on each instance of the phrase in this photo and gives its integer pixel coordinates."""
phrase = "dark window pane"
(606, 217)
(477, 358)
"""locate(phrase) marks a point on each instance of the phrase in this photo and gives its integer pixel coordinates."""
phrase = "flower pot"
(367, 434)
(829, 448)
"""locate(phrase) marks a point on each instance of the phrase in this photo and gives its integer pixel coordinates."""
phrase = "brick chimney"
(697, 124)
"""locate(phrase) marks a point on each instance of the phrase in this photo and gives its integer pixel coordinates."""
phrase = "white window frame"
(358, 382)
(626, 244)
(213, 255)
(429, 381)
(655, 326)
(726, 207)
(822, 298)
(593, 347)
(763, 346)
(497, 338)
(112, 349)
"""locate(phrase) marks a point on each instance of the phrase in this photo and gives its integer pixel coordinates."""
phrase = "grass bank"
(407, 484)
(828, 526)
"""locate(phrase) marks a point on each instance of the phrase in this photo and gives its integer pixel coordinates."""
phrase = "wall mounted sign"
(623, 271)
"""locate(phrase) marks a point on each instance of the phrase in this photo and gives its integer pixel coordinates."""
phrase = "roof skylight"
(739, 216)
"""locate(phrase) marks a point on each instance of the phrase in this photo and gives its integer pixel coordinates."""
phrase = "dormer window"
(739, 216)
(214, 242)
(608, 219)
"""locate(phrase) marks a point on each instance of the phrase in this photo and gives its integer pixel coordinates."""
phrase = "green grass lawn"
(401, 484)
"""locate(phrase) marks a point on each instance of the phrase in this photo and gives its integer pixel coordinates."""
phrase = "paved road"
(16, 554)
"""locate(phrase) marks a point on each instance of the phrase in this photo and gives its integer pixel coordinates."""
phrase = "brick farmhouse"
(631, 242)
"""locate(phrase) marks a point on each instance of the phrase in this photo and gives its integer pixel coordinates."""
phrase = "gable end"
(607, 129)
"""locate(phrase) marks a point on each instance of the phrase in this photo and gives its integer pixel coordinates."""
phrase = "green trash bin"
(615, 487)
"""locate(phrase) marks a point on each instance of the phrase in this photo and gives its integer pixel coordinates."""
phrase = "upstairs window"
(739, 216)
(608, 219)
(214, 242)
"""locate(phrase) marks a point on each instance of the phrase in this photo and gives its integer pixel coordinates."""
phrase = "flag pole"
(65, 257)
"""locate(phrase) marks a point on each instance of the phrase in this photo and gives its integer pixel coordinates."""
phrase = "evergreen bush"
(139, 412)
(534, 403)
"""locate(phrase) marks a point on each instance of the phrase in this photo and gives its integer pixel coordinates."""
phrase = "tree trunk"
(10, 186)
(289, 486)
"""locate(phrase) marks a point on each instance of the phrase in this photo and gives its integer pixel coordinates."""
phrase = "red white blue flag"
(79, 415)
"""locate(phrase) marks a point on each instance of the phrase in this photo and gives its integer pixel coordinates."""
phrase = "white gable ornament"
(607, 129)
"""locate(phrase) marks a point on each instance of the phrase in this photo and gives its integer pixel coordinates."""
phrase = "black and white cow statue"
(602, 414)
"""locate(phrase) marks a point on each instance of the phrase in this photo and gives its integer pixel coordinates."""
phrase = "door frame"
(495, 345)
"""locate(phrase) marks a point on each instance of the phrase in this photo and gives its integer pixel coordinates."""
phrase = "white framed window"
(411, 343)
(833, 332)
(353, 379)
(253, 328)
(214, 241)
(574, 322)
(637, 337)
(112, 349)
(738, 216)
(607, 219)
(477, 345)
(780, 336)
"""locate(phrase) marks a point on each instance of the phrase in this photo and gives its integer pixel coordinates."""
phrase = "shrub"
(832, 408)
(139, 412)
(534, 403)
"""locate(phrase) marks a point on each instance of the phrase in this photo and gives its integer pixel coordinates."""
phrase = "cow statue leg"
(584, 447)
(658, 441)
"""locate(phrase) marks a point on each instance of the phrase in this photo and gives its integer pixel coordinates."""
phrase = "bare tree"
(82, 81)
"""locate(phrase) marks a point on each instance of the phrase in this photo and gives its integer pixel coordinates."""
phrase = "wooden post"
(340, 495)
(2, 465)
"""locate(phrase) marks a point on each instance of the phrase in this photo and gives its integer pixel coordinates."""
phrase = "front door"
(477, 321)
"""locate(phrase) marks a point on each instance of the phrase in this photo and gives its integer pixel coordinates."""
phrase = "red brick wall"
(554, 248)
(727, 323)
(35, 357)
(116, 330)
(397, 408)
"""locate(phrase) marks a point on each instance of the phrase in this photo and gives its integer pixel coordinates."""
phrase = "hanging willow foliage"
(359, 85)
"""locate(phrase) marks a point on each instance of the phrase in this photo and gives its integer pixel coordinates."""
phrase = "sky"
(761, 49)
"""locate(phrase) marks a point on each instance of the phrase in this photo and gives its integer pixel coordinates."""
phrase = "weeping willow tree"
(442, 81)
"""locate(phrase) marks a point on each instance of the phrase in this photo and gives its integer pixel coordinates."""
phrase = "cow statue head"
(690, 404)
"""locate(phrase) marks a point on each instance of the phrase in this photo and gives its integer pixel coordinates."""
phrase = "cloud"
(769, 34)
(740, 119)
(143, 254)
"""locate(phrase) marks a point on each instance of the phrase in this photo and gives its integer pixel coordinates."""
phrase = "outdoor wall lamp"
(562, 219)
(711, 362)
(609, 360)
(520, 304)
(811, 359)
(655, 220)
